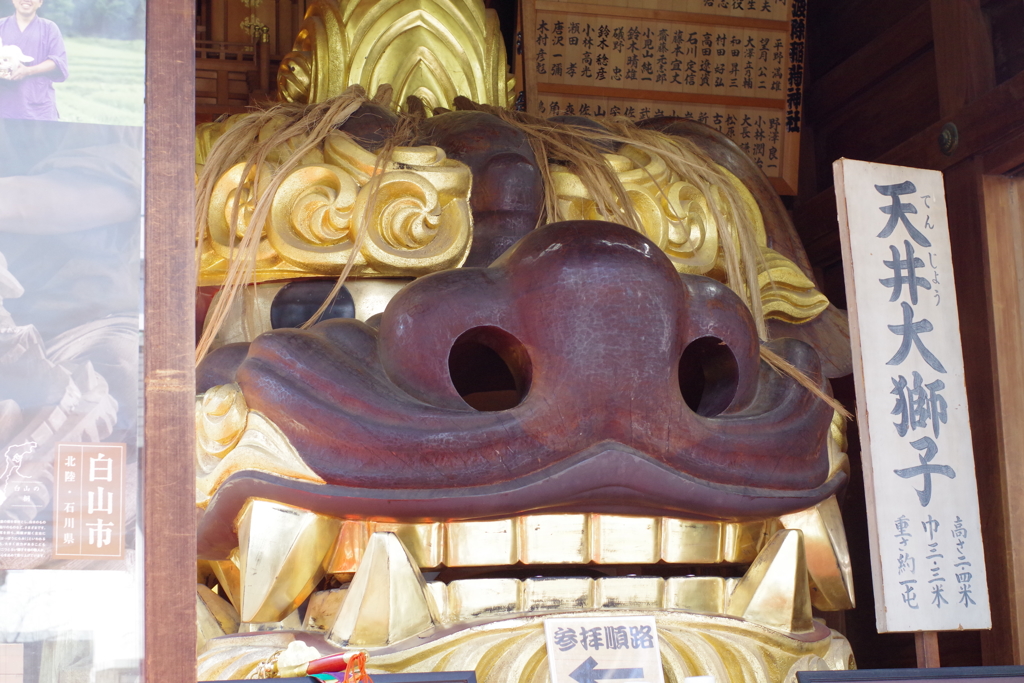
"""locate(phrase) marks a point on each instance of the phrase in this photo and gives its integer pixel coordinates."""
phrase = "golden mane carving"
(431, 49)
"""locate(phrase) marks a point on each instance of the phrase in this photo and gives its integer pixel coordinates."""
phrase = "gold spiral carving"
(692, 232)
(678, 217)
(231, 190)
(220, 419)
(311, 218)
(419, 221)
(786, 293)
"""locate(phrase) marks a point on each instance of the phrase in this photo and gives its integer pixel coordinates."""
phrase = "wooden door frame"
(981, 112)
(985, 229)
(168, 470)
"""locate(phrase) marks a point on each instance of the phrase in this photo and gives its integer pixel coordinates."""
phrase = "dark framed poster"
(72, 92)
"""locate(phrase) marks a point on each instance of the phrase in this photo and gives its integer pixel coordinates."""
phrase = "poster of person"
(70, 230)
(72, 60)
(71, 157)
(70, 209)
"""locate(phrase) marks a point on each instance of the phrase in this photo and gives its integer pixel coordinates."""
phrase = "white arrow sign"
(598, 649)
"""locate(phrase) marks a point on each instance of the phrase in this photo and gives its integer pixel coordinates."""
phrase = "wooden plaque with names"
(927, 557)
(735, 65)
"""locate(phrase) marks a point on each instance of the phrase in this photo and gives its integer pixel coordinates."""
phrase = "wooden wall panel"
(963, 53)
(1006, 17)
(902, 41)
(843, 28)
(892, 110)
(886, 78)
(168, 502)
(1004, 253)
(967, 236)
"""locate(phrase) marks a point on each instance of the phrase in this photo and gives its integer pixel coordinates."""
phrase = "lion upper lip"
(608, 477)
(378, 410)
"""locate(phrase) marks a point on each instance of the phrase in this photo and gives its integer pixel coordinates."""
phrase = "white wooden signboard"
(926, 551)
(592, 649)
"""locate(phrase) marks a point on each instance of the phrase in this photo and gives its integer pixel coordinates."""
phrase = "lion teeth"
(559, 539)
(625, 540)
(774, 592)
(323, 609)
(215, 616)
(228, 577)
(475, 598)
(282, 553)
(482, 544)
(466, 600)
(388, 599)
(703, 594)
(828, 556)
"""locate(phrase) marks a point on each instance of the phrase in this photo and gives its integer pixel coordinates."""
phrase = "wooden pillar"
(963, 53)
(1004, 246)
(168, 502)
(927, 644)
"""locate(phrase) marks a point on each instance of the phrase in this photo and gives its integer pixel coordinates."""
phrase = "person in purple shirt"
(27, 93)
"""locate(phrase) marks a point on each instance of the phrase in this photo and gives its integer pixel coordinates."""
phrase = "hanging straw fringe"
(784, 367)
(570, 145)
(404, 133)
(311, 125)
(574, 146)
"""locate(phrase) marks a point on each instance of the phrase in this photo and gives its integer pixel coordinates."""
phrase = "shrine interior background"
(883, 81)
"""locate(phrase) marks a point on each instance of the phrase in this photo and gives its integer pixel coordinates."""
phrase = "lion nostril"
(489, 368)
(297, 302)
(708, 376)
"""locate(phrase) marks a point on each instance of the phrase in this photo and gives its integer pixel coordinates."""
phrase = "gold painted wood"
(387, 600)
(432, 50)
(774, 591)
(828, 557)
(702, 594)
(420, 220)
(215, 616)
(772, 578)
(282, 553)
(513, 651)
(559, 539)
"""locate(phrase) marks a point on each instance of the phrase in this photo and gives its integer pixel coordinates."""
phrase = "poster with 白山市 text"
(927, 555)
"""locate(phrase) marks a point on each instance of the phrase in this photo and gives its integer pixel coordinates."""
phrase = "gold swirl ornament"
(230, 438)
(431, 49)
(673, 213)
(416, 214)
(231, 208)
(677, 216)
(311, 218)
(786, 293)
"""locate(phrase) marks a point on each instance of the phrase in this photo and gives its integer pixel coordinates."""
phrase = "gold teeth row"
(470, 599)
(283, 552)
(560, 539)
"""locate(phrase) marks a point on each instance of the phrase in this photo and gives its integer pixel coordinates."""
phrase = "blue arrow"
(587, 672)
